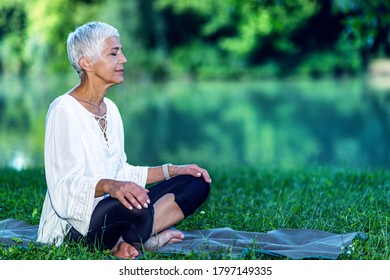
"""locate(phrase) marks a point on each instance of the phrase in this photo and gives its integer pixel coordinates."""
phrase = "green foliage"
(200, 60)
(12, 36)
(238, 37)
(244, 30)
(336, 62)
(368, 23)
(48, 28)
(277, 21)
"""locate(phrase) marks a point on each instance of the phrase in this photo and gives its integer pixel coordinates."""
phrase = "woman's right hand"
(129, 194)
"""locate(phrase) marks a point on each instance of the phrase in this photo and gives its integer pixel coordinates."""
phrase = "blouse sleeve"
(136, 174)
(71, 192)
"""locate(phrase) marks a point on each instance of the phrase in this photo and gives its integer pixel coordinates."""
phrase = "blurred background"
(285, 84)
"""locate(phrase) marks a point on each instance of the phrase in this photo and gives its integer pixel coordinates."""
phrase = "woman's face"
(109, 67)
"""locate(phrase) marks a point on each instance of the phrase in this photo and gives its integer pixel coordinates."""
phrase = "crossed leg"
(167, 213)
(173, 200)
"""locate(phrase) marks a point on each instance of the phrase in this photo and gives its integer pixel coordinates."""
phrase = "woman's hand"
(129, 194)
(190, 169)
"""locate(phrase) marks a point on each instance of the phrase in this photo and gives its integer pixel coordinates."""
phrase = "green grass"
(249, 199)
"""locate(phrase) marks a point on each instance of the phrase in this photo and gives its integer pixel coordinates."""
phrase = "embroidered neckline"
(102, 123)
(101, 120)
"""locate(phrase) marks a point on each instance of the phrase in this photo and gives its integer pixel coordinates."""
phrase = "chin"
(119, 81)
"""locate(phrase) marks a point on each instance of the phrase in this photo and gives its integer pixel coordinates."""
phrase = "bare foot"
(124, 250)
(167, 236)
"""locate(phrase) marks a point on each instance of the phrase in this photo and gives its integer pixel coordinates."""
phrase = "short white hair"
(87, 41)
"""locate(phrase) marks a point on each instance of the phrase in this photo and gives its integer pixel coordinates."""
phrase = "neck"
(91, 99)
(97, 106)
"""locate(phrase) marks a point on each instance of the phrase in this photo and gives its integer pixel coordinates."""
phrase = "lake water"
(285, 124)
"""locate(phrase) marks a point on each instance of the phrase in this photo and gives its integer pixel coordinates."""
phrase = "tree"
(12, 35)
(49, 23)
(243, 27)
(367, 23)
(33, 33)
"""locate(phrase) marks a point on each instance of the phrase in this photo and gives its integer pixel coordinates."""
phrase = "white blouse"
(76, 157)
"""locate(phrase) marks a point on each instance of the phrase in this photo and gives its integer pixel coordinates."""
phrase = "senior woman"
(93, 194)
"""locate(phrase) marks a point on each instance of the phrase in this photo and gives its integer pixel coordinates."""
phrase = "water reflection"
(270, 123)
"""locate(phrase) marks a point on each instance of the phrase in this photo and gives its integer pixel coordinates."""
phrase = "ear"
(85, 64)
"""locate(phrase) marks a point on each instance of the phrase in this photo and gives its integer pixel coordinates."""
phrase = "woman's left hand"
(190, 169)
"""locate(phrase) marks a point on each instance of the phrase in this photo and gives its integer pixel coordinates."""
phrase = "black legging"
(111, 219)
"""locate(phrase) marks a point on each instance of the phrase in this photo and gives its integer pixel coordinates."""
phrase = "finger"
(143, 200)
(134, 203)
(194, 172)
(206, 176)
(142, 197)
(139, 193)
(200, 172)
(125, 202)
(138, 199)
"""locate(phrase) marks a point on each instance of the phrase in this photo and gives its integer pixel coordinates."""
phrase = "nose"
(122, 59)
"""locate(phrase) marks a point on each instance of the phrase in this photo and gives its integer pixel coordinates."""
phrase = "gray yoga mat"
(291, 243)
